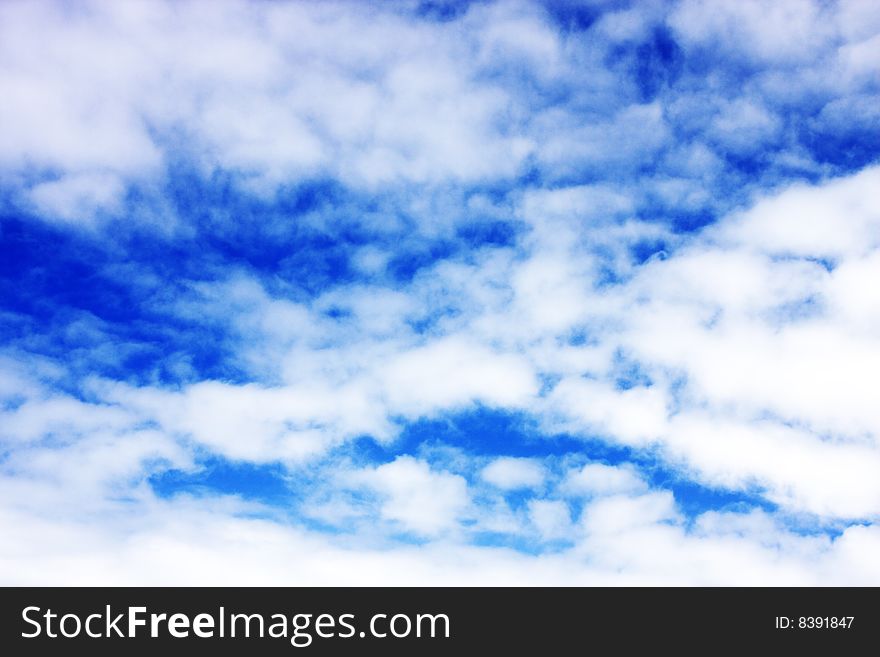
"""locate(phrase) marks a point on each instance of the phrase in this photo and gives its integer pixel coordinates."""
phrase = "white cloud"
(596, 479)
(452, 373)
(787, 31)
(634, 135)
(636, 416)
(621, 513)
(509, 473)
(106, 90)
(834, 220)
(632, 541)
(742, 347)
(101, 476)
(551, 518)
(742, 356)
(77, 197)
(421, 500)
(259, 424)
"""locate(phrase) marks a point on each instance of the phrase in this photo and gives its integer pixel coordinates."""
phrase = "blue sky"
(437, 292)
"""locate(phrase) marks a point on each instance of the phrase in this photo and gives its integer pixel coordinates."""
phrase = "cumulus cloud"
(421, 500)
(512, 473)
(486, 299)
(600, 479)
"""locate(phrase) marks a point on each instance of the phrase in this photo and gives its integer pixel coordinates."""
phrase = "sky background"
(440, 292)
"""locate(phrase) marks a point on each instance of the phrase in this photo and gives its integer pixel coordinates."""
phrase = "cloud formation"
(509, 292)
